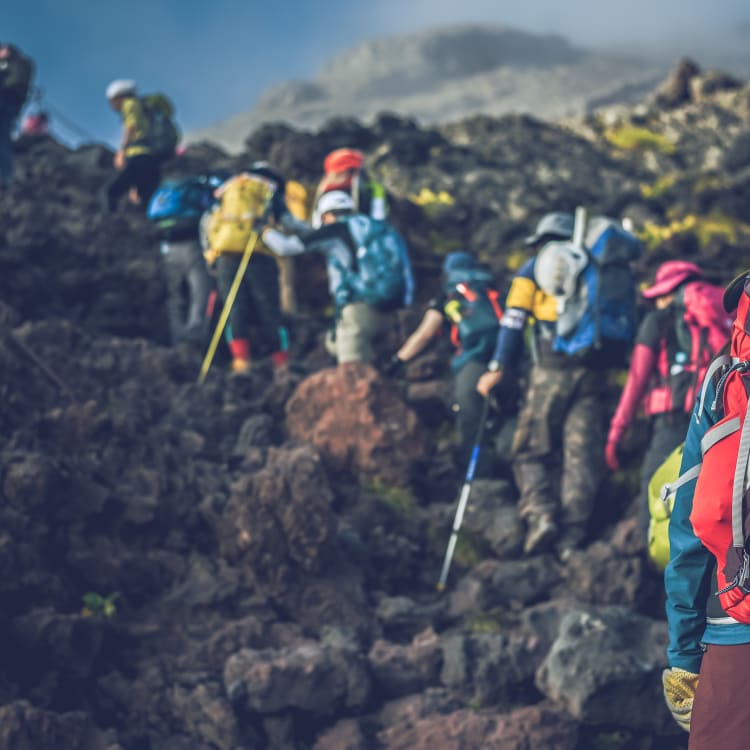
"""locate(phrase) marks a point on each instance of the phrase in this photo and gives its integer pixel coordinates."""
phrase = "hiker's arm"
(283, 244)
(431, 323)
(687, 578)
(642, 365)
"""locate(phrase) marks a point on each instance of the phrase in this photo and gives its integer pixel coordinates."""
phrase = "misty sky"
(214, 58)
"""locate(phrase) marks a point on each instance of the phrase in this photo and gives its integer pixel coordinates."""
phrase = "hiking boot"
(541, 532)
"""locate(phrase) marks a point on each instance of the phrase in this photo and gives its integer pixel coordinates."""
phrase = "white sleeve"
(283, 244)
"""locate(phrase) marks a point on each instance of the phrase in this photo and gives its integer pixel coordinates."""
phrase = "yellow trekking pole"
(231, 296)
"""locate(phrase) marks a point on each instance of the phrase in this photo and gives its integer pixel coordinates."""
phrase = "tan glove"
(210, 257)
(679, 690)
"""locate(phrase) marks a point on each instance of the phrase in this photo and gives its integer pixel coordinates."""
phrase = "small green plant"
(633, 138)
(99, 607)
(398, 498)
(660, 187)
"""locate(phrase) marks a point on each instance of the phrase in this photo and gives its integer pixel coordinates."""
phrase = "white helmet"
(336, 200)
(558, 266)
(121, 87)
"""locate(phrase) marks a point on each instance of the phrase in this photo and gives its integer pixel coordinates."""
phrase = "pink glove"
(610, 456)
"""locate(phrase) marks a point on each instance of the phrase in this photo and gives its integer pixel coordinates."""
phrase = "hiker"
(557, 448)
(468, 309)
(369, 274)
(16, 72)
(675, 343)
(245, 203)
(709, 635)
(149, 137)
(176, 209)
(343, 169)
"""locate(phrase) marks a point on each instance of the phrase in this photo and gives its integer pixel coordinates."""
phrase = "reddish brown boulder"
(358, 421)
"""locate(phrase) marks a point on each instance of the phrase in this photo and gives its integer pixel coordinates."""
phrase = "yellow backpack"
(298, 200)
(243, 199)
(662, 488)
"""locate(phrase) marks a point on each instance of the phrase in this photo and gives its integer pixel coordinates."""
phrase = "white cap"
(120, 87)
(336, 200)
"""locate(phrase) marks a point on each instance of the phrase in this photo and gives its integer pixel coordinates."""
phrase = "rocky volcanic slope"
(251, 563)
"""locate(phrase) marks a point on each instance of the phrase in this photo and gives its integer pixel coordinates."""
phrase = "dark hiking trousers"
(667, 432)
(256, 312)
(558, 448)
(189, 286)
(470, 403)
(720, 719)
(142, 172)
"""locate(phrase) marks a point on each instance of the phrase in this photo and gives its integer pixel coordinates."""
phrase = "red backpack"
(719, 515)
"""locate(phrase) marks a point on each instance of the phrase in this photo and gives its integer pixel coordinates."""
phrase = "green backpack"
(163, 135)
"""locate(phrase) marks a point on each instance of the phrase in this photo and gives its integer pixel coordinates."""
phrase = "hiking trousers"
(189, 286)
(558, 447)
(256, 312)
(357, 327)
(720, 718)
(143, 172)
(470, 403)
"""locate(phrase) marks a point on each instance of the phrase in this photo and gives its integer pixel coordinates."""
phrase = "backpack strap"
(669, 489)
(738, 486)
(725, 361)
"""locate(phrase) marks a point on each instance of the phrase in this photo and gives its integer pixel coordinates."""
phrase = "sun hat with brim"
(458, 259)
(121, 87)
(734, 290)
(670, 275)
(557, 225)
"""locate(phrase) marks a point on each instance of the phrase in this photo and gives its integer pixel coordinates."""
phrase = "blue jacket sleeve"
(687, 578)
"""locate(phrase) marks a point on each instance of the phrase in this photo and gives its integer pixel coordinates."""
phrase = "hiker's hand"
(488, 381)
(119, 160)
(679, 690)
(610, 456)
(392, 366)
(210, 257)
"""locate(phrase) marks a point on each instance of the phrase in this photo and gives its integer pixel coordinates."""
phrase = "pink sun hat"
(670, 275)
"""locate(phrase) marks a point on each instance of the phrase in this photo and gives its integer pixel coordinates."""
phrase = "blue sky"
(215, 58)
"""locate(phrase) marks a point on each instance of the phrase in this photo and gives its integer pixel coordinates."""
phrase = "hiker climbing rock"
(673, 348)
(369, 273)
(709, 634)
(149, 137)
(344, 170)
(16, 72)
(176, 210)
(254, 326)
(557, 447)
(468, 309)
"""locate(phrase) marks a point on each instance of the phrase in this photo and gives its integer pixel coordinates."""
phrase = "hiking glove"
(610, 455)
(393, 366)
(679, 690)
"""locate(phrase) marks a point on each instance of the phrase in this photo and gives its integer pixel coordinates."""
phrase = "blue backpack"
(382, 274)
(602, 307)
(177, 205)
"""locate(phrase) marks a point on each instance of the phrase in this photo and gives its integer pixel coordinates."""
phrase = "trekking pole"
(464, 498)
(231, 296)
